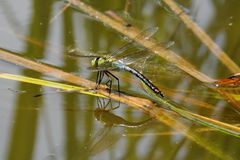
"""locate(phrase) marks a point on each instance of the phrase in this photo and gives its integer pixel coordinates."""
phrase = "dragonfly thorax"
(96, 62)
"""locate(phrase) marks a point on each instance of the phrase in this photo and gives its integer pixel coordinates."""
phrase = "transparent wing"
(131, 57)
(144, 35)
(134, 57)
(75, 52)
(124, 51)
(102, 68)
(74, 55)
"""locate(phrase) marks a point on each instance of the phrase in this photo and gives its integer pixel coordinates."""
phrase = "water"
(63, 125)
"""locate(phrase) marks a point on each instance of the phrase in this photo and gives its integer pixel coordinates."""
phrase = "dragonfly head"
(98, 61)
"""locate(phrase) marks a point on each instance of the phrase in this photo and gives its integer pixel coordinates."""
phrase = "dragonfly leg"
(97, 80)
(118, 84)
(100, 75)
(109, 82)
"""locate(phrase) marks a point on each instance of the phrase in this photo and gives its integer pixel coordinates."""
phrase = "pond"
(186, 50)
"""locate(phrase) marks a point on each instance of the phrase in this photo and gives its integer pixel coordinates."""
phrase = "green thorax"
(105, 61)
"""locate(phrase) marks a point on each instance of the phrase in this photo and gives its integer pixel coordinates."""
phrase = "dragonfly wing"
(144, 35)
(102, 68)
(145, 53)
(75, 53)
(136, 56)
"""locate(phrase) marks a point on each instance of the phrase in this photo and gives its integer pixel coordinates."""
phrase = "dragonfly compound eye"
(94, 62)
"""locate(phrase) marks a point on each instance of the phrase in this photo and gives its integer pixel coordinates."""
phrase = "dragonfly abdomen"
(144, 80)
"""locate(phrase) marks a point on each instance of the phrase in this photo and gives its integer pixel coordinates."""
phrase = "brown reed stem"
(203, 37)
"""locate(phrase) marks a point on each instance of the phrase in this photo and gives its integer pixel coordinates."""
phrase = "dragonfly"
(120, 60)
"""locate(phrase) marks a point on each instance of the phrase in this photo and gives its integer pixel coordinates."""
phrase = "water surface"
(64, 125)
